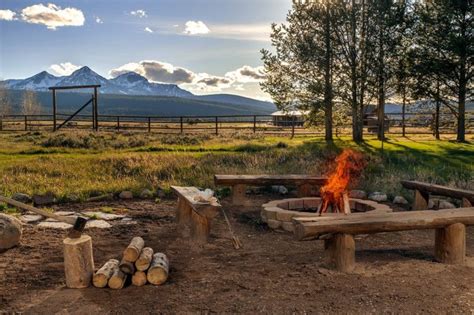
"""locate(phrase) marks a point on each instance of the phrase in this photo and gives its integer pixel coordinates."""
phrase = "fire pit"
(278, 214)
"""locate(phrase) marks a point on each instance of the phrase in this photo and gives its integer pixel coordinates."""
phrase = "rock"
(433, 203)
(282, 190)
(72, 198)
(10, 232)
(378, 196)
(21, 198)
(66, 213)
(98, 224)
(31, 218)
(358, 194)
(44, 200)
(444, 204)
(103, 216)
(160, 193)
(400, 200)
(126, 195)
(54, 225)
(146, 194)
(107, 197)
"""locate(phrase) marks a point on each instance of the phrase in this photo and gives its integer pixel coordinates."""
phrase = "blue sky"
(216, 43)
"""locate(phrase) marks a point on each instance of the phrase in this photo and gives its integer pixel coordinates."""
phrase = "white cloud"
(196, 28)
(247, 74)
(52, 16)
(98, 20)
(149, 30)
(253, 32)
(139, 13)
(156, 71)
(7, 15)
(65, 68)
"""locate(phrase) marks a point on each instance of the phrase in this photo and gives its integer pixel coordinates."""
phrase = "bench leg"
(200, 228)
(466, 203)
(421, 200)
(304, 190)
(238, 195)
(450, 244)
(341, 252)
(183, 213)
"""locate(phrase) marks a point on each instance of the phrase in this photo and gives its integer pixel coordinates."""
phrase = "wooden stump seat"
(194, 213)
(423, 191)
(449, 224)
(239, 183)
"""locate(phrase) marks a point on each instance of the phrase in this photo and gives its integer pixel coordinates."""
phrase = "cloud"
(196, 28)
(52, 16)
(247, 74)
(139, 13)
(252, 32)
(65, 68)
(157, 71)
(7, 15)
(98, 20)
(149, 30)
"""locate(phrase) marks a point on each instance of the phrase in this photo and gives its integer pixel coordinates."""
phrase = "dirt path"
(272, 274)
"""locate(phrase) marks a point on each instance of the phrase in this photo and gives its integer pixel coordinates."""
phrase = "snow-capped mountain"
(38, 82)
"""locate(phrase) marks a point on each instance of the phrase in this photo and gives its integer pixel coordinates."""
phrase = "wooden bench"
(239, 183)
(450, 226)
(423, 191)
(197, 214)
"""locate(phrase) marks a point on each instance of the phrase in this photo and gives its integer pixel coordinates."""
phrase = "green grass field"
(85, 164)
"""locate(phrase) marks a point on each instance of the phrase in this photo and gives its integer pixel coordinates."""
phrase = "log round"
(450, 244)
(10, 232)
(143, 262)
(341, 252)
(127, 267)
(78, 262)
(132, 252)
(139, 279)
(159, 269)
(117, 281)
(102, 276)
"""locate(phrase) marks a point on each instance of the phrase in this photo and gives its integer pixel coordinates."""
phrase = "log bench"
(450, 236)
(196, 214)
(423, 191)
(239, 183)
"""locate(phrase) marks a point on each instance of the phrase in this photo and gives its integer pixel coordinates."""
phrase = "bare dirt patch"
(272, 273)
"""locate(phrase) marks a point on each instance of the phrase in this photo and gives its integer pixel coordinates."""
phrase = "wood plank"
(439, 190)
(261, 180)
(383, 222)
(207, 209)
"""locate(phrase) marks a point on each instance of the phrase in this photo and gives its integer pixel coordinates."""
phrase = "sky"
(205, 46)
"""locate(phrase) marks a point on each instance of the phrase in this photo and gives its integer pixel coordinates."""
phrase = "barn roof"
(291, 113)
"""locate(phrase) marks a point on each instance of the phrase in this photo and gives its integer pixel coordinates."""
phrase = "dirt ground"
(273, 273)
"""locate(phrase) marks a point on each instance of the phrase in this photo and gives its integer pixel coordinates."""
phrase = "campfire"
(334, 195)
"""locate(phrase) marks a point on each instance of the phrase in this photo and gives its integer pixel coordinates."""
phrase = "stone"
(358, 194)
(146, 194)
(65, 213)
(44, 200)
(400, 200)
(54, 225)
(378, 196)
(279, 189)
(444, 204)
(31, 218)
(103, 216)
(10, 232)
(274, 224)
(73, 198)
(433, 203)
(98, 224)
(160, 193)
(22, 197)
(126, 195)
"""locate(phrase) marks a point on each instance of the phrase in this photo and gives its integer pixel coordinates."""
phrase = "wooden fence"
(410, 123)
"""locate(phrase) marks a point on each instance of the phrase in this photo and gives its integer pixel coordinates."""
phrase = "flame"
(349, 164)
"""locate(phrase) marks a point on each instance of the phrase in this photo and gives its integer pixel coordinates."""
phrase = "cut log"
(183, 213)
(263, 180)
(143, 262)
(466, 203)
(132, 252)
(200, 228)
(421, 200)
(341, 252)
(450, 244)
(439, 190)
(10, 232)
(139, 279)
(102, 276)
(78, 262)
(159, 269)
(347, 204)
(127, 267)
(118, 279)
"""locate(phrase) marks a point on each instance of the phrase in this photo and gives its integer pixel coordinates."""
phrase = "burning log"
(139, 279)
(102, 276)
(132, 252)
(144, 261)
(159, 269)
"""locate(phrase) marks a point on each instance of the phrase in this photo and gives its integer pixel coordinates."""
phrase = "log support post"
(304, 190)
(340, 250)
(238, 195)
(450, 244)
(421, 200)
(200, 228)
(466, 203)
(183, 214)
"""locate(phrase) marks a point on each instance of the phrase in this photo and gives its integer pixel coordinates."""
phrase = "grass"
(85, 164)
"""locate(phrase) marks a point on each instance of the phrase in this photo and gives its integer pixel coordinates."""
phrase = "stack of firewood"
(138, 262)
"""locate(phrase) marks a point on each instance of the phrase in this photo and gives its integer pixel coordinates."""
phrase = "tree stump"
(450, 244)
(341, 252)
(10, 232)
(102, 276)
(159, 269)
(78, 262)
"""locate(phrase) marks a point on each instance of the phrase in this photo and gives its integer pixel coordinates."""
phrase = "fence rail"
(409, 123)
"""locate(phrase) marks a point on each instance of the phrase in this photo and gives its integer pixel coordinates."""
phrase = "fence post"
(293, 127)
(54, 110)
(149, 124)
(217, 126)
(118, 123)
(403, 120)
(254, 124)
(1, 123)
(181, 125)
(96, 111)
(26, 123)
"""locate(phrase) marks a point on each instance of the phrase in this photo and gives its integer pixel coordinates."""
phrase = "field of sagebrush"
(83, 164)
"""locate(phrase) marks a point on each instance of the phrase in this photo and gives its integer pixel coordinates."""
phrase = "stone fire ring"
(278, 214)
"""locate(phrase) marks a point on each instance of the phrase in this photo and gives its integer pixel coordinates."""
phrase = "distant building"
(289, 118)
(371, 119)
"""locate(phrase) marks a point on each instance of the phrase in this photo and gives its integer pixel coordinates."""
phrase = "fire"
(334, 194)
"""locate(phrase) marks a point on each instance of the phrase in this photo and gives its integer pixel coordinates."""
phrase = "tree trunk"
(328, 81)
(461, 137)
